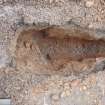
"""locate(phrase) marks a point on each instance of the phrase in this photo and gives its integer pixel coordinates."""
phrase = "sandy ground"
(25, 86)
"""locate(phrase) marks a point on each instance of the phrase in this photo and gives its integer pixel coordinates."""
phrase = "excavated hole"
(41, 52)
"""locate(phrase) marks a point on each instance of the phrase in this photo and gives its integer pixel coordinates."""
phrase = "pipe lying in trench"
(71, 48)
(58, 50)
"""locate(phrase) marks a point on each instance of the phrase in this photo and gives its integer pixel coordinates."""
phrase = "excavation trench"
(52, 51)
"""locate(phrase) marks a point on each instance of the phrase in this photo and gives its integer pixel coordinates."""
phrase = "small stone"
(67, 93)
(95, 101)
(55, 97)
(89, 3)
(83, 88)
(63, 94)
(93, 79)
(75, 83)
(6, 71)
(90, 26)
(28, 19)
(66, 86)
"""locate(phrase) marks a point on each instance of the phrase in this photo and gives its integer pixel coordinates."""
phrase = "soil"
(29, 80)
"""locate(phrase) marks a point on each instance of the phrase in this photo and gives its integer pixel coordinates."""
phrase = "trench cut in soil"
(54, 51)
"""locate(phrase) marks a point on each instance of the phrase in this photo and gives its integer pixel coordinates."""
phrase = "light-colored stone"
(83, 88)
(75, 83)
(66, 86)
(55, 97)
(65, 93)
(89, 3)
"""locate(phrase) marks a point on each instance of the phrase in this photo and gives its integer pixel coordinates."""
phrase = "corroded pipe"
(71, 48)
(57, 46)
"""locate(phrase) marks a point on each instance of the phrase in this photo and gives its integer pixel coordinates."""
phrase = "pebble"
(90, 26)
(55, 97)
(65, 93)
(83, 88)
(89, 3)
(66, 86)
(93, 79)
(75, 83)
(95, 101)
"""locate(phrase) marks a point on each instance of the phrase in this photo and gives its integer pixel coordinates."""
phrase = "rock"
(89, 3)
(65, 93)
(83, 88)
(55, 97)
(66, 86)
(75, 83)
